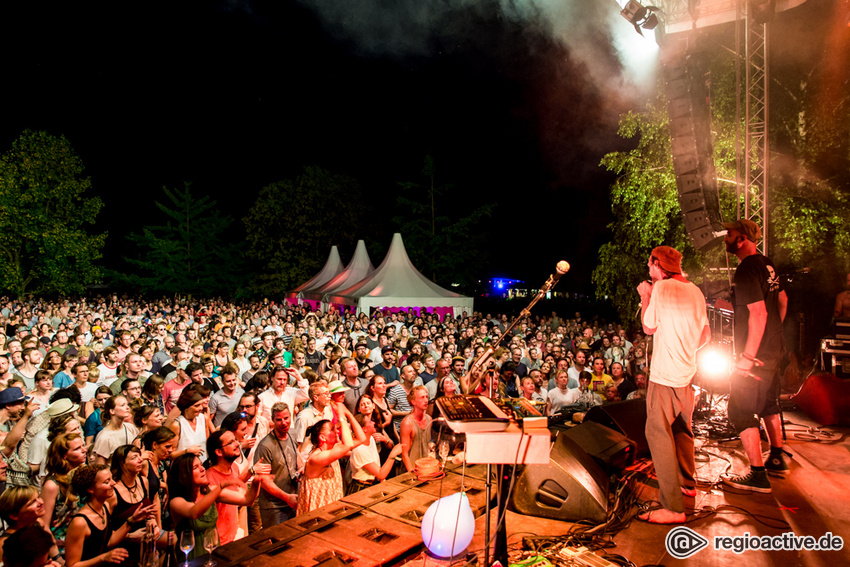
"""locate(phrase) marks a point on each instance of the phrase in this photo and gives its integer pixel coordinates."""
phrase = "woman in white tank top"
(191, 425)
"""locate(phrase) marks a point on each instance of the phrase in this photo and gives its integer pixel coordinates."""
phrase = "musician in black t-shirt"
(760, 307)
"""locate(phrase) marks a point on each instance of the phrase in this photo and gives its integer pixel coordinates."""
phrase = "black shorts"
(751, 399)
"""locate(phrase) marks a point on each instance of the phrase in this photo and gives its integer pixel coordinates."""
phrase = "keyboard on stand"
(472, 413)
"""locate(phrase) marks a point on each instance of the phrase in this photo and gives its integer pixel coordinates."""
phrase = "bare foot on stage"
(662, 516)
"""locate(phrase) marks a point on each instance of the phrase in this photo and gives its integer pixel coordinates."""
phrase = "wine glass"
(187, 543)
(444, 452)
(211, 541)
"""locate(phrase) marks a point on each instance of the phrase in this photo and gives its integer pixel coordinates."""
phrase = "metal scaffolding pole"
(756, 139)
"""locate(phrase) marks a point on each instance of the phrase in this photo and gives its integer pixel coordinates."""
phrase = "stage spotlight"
(641, 16)
(714, 363)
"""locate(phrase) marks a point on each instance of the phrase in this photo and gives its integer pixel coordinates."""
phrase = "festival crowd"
(127, 423)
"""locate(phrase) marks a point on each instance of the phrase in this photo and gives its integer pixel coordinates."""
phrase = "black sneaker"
(753, 481)
(776, 465)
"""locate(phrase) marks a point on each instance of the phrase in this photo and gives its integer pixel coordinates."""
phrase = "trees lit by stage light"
(714, 363)
(641, 16)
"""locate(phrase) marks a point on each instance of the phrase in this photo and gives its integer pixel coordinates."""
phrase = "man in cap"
(12, 404)
(760, 307)
(672, 309)
(387, 367)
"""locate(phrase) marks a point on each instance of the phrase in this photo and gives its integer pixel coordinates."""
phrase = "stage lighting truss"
(641, 16)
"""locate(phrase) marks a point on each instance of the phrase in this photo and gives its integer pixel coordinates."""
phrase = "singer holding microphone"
(672, 309)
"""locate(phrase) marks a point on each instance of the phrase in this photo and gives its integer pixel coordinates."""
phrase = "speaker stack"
(690, 138)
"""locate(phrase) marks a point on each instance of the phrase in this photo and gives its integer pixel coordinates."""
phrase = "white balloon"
(448, 520)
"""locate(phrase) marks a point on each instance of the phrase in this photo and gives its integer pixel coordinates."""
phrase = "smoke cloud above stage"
(571, 67)
(592, 32)
(598, 43)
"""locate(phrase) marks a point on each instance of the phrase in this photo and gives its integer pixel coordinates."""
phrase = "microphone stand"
(500, 550)
(561, 269)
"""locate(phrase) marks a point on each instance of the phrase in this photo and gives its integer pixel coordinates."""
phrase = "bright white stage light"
(637, 53)
(713, 362)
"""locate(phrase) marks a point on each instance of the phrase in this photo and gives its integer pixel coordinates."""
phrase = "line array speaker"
(690, 137)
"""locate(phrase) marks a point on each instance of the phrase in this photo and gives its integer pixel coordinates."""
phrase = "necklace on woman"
(96, 512)
(135, 485)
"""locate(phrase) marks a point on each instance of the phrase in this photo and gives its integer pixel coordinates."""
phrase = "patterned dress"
(63, 510)
(320, 491)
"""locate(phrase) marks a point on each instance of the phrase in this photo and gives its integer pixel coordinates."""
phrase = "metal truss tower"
(756, 60)
(752, 20)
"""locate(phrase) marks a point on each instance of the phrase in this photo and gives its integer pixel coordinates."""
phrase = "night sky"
(517, 102)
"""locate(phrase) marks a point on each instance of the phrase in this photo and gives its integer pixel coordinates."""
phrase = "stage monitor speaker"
(628, 417)
(611, 449)
(571, 487)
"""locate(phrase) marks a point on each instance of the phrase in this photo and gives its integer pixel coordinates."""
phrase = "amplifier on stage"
(835, 356)
(841, 328)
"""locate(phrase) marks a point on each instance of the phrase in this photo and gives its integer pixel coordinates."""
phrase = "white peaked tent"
(359, 268)
(332, 268)
(396, 283)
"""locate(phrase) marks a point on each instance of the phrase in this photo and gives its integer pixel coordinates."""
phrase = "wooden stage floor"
(812, 500)
(382, 527)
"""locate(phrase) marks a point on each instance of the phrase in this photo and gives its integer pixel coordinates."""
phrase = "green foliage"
(646, 208)
(810, 169)
(448, 248)
(812, 222)
(45, 246)
(191, 253)
(294, 223)
(809, 189)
